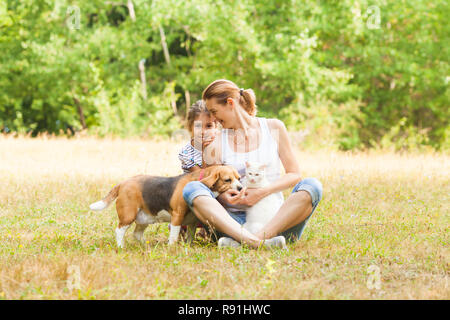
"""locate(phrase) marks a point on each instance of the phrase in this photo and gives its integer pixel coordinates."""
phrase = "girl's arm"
(189, 159)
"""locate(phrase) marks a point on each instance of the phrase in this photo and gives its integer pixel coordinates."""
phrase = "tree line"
(353, 74)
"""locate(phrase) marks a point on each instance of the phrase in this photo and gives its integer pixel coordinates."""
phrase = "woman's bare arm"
(287, 157)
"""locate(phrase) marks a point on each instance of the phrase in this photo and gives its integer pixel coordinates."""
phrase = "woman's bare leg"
(210, 211)
(296, 208)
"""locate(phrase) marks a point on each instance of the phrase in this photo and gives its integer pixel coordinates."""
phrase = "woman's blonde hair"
(223, 89)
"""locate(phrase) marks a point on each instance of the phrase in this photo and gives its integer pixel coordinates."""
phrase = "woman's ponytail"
(248, 100)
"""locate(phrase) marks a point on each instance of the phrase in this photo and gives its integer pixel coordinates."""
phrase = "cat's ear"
(247, 164)
(263, 166)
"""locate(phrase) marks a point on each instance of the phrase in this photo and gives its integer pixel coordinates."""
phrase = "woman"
(245, 137)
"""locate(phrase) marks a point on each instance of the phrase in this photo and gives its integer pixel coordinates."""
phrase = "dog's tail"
(106, 201)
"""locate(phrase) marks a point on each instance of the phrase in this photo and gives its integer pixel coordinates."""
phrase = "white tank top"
(266, 153)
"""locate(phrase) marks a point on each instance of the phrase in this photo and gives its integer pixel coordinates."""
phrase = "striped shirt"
(190, 157)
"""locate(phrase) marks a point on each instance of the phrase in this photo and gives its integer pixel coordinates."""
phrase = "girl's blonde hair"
(223, 89)
(195, 110)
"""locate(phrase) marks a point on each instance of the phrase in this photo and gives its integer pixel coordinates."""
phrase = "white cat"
(265, 209)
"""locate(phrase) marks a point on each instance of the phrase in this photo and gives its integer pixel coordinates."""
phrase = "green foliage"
(404, 137)
(401, 68)
(354, 73)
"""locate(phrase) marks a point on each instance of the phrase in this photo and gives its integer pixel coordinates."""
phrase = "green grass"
(386, 210)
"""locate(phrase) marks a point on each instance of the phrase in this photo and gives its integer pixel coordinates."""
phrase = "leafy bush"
(356, 74)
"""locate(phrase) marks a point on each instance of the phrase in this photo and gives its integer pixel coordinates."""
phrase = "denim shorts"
(311, 185)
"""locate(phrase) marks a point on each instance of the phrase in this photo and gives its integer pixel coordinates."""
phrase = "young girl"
(203, 131)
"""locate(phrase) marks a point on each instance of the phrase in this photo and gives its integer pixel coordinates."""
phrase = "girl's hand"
(207, 142)
(209, 137)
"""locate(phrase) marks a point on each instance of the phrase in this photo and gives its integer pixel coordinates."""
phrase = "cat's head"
(255, 172)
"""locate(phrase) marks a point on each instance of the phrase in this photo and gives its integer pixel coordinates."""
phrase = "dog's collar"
(202, 172)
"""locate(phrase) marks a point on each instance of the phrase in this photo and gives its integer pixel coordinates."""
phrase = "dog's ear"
(211, 179)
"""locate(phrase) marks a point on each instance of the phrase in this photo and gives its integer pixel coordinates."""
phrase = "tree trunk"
(174, 106)
(188, 101)
(131, 10)
(80, 112)
(164, 45)
(143, 81)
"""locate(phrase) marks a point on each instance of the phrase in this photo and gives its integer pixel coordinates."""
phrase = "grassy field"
(381, 214)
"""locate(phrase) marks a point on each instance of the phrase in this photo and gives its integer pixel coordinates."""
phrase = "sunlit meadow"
(380, 232)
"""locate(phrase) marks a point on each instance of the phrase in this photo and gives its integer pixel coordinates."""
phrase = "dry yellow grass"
(379, 209)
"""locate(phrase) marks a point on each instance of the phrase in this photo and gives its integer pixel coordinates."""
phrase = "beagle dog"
(148, 199)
